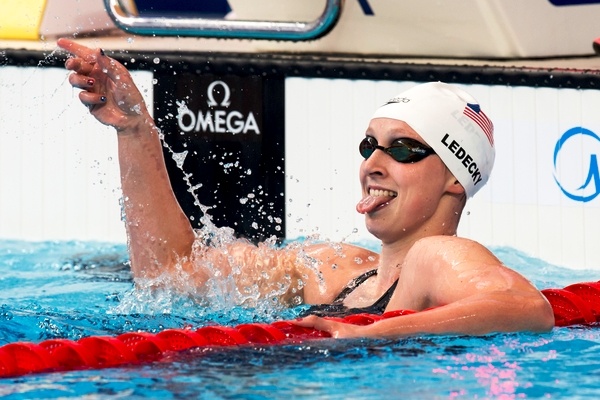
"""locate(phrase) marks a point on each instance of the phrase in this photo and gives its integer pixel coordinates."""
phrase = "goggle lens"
(403, 150)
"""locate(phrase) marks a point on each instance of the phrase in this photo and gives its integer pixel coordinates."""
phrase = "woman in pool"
(426, 151)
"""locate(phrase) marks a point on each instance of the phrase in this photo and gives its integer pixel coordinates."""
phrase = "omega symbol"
(211, 91)
(584, 186)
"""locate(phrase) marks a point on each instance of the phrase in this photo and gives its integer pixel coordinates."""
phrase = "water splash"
(231, 271)
(48, 59)
(246, 281)
(179, 158)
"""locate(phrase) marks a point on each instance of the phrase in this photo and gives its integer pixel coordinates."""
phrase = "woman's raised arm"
(160, 234)
(161, 238)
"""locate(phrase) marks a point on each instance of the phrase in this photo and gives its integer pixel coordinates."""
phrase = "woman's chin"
(375, 227)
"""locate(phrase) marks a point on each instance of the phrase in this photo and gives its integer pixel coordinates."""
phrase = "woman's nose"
(376, 162)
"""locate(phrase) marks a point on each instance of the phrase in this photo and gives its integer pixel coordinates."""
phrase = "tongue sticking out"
(369, 203)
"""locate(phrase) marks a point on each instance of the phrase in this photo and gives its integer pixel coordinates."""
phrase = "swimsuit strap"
(337, 307)
(381, 304)
(353, 284)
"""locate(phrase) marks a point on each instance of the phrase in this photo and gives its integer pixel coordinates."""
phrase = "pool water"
(75, 289)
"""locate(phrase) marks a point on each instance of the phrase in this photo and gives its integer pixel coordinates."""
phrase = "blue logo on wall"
(587, 187)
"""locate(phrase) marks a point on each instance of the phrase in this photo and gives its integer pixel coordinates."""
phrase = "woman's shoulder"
(449, 253)
(343, 254)
(456, 243)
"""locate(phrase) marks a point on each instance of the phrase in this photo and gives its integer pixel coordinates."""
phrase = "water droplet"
(137, 109)
(179, 158)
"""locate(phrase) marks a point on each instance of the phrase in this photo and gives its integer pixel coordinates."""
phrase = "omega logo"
(211, 91)
(215, 120)
(579, 184)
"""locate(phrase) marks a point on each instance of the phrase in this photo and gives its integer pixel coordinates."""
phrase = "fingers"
(81, 81)
(83, 65)
(315, 322)
(77, 49)
(92, 99)
(79, 66)
(103, 81)
(86, 59)
(336, 327)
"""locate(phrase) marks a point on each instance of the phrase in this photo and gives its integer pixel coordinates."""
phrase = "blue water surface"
(76, 289)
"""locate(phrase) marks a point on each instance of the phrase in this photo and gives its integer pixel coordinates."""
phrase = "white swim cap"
(452, 123)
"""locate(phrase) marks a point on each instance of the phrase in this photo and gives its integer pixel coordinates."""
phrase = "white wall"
(59, 176)
(522, 206)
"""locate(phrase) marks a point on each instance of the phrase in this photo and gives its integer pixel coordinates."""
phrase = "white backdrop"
(59, 177)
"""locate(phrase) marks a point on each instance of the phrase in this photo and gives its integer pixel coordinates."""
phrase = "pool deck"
(141, 44)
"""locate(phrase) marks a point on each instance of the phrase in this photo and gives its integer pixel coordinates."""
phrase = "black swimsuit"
(337, 307)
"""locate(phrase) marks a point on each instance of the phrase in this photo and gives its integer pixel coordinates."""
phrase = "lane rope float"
(576, 304)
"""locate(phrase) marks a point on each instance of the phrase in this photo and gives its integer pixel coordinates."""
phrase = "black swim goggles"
(404, 150)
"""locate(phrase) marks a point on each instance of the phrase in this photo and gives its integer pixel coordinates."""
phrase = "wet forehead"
(387, 130)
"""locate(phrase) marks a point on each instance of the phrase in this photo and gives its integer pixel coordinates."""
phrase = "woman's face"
(400, 199)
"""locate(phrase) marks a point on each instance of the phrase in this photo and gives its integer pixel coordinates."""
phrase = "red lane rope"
(575, 304)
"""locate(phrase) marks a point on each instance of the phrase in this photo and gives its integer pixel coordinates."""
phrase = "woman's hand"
(335, 328)
(107, 87)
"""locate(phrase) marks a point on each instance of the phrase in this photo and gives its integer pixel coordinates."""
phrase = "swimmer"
(425, 152)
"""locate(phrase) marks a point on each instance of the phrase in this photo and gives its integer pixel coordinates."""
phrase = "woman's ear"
(454, 186)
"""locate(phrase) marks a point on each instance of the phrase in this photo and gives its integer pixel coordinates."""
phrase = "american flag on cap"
(473, 111)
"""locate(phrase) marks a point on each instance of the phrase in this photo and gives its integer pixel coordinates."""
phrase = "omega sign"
(218, 117)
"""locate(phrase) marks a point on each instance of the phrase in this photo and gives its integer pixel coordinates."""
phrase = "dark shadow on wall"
(188, 8)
